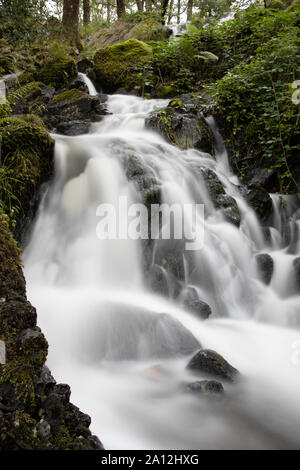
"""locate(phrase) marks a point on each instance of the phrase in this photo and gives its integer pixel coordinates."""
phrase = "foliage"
(257, 100)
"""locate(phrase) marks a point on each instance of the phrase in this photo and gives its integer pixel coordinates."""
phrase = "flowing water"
(124, 349)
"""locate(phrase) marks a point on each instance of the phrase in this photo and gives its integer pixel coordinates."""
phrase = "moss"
(7, 65)
(167, 91)
(114, 64)
(19, 379)
(11, 275)
(58, 72)
(25, 78)
(148, 30)
(5, 110)
(27, 151)
(69, 95)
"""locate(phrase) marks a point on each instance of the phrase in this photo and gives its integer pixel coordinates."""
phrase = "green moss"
(26, 161)
(70, 95)
(149, 30)
(114, 64)
(167, 91)
(21, 381)
(58, 72)
(5, 110)
(25, 78)
(7, 65)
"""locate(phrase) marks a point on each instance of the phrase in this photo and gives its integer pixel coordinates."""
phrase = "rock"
(122, 333)
(265, 266)
(206, 387)
(36, 99)
(27, 150)
(259, 199)
(296, 265)
(181, 127)
(79, 84)
(57, 72)
(71, 112)
(219, 198)
(114, 64)
(192, 302)
(43, 429)
(210, 362)
(158, 280)
(73, 128)
(84, 64)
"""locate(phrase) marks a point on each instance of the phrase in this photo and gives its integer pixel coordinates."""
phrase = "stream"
(122, 348)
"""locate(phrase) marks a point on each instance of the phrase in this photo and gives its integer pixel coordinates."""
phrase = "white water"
(95, 309)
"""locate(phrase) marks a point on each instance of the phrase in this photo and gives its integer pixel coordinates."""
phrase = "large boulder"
(115, 64)
(180, 126)
(71, 112)
(208, 362)
(57, 72)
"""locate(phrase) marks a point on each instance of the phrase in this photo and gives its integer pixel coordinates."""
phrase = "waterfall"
(122, 347)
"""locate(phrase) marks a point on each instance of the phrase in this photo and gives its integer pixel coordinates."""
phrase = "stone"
(265, 265)
(192, 302)
(206, 387)
(207, 361)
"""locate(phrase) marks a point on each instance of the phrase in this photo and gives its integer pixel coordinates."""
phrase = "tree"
(120, 8)
(70, 21)
(86, 12)
(190, 5)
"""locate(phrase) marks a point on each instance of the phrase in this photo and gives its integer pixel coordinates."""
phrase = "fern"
(22, 92)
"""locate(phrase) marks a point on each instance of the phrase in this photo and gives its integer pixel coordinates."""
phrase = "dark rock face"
(296, 265)
(71, 112)
(35, 412)
(206, 387)
(259, 199)
(219, 198)
(194, 304)
(180, 124)
(210, 362)
(158, 280)
(265, 266)
(84, 64)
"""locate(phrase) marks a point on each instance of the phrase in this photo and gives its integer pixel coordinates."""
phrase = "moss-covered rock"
(27, 161)
(209, 362)
(114, 64)
(72, 111)
(57, 72)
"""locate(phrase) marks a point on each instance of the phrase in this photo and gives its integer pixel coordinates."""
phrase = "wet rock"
(265, 266)
(122, 333)
(43, 429)
(84, 64)
(296, 265)
(158, 280)
(57, 72)
(73, 128)
(259, 199)
(207, 361)
(181, 127)
(206, 387)
(192, 302)
(36, 99)
(219, 198)
(66, 110)
(79, 84)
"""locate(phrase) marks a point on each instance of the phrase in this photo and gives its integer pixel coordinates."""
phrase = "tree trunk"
(70, 20)
(86, 12)
(170, 15)
(178, 11)
(120, 8)
(164, 7)
(139, 4)
(190, 10)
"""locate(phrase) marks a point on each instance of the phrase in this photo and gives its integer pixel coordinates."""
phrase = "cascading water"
(124, 349)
